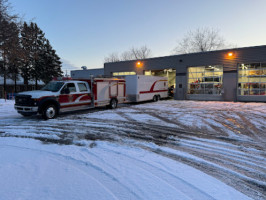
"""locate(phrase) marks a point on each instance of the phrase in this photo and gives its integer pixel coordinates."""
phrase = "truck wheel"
(49, 112)
(113, 104)
(155, 98)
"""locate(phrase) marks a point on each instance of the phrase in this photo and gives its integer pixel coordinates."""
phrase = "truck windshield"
(53, 86)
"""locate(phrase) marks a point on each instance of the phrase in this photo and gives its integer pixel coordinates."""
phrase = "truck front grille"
(24, 100)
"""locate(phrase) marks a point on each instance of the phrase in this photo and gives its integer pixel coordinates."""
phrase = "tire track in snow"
(95, 172)
(178, 183)
(250, 187)
(249, 140)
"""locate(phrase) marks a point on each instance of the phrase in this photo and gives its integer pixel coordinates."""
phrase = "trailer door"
(102, 91)
(113, 89)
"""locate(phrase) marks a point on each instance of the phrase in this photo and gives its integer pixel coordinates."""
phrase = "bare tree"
(131, 54)
(201, 40)
(113, 57)
(141, 53)
(127, 55)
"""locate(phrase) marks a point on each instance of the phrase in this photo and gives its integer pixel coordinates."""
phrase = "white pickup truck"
(69, 95)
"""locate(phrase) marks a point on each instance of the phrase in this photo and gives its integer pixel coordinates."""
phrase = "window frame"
(85, 87)
(202, 77)
(254, 84)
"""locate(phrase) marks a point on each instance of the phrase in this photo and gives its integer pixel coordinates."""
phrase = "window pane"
(254, 66)
(251, 79)
(82, 87)
(205, 80)
(71, 87)
(123, 73)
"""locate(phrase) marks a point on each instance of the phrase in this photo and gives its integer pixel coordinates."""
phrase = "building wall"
(86, 73)
(181, 62)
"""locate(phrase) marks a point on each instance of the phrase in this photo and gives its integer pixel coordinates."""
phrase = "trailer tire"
(49, 111)
(158, 97)
(155, 98)
(113, 104)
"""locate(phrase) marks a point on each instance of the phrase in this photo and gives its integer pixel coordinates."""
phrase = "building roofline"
(87, 69)
(187, 54)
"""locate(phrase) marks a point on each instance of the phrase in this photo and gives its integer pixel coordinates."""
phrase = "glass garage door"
(252, 79)
(207, 80)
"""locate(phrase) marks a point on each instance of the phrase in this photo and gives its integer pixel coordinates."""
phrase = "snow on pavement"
(162, 150)
(31, 170)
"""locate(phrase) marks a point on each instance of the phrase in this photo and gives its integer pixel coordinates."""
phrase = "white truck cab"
(69, 95)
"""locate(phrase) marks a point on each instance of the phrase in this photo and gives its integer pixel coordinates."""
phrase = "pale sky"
(83, 32)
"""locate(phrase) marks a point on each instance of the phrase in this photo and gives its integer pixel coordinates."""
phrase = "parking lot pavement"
(223, 139)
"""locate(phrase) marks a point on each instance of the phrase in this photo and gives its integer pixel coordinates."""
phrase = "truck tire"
(155, 98)
(49, 112)
(113, 104)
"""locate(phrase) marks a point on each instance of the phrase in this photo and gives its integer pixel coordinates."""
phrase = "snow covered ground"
(163, 150)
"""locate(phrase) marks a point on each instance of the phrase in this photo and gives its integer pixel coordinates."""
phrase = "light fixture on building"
(230, 54)
(139, 64)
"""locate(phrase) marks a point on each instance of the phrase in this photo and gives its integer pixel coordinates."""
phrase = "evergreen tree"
(41, 61)
(38, 47)
(7, 32)
(51, 63)
(5, 46)
(25, 50)
(26, 44)
(14, 54)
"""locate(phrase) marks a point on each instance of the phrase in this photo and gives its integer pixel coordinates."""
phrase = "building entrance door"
(180, 86)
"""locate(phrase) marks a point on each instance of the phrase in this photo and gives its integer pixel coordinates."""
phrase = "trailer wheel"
(113, 103)
(155, 98)
(49, 112)
(158, 97)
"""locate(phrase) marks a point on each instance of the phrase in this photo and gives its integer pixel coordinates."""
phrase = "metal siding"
(241, 55)
(87, 73)
(181, 62)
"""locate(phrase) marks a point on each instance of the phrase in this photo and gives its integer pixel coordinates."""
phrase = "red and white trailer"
(106, 89)
(144, 88)
(68, 95)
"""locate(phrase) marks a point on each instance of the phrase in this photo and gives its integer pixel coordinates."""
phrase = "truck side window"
(82, 87)
(71, 87)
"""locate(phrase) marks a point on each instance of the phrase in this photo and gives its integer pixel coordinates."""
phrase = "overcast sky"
(83, 32)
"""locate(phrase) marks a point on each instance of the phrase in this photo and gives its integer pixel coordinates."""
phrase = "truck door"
(68, 98)
(84, 94)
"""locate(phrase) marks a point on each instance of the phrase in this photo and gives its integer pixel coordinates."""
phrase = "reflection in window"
(252, 79)
(82, 87)
(205, 80)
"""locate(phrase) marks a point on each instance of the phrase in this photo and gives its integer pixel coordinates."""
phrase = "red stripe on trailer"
(144, 92)
(153, 85)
